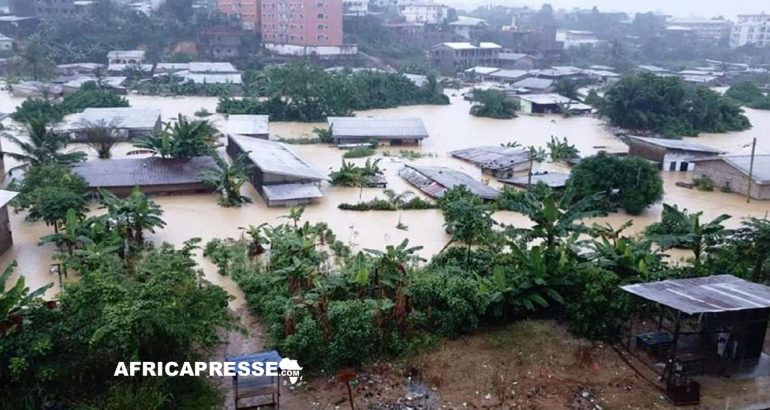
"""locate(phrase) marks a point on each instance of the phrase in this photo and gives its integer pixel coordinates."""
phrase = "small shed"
(708, 325)
(731, 173)
(555, 180)
(6, 238)
(496, 160)
(386, 131)
(550, 103)
(265, 390)
(153, 176)
(669, 154)
(280, 175)
(435, 181)
(133, 122)
(255, 126)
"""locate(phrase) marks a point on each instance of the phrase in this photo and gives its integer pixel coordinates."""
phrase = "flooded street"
(450, 128)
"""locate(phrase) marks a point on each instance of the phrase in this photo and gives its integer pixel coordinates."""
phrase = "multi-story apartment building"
(248, 11)
(751, 29)
(453, 57)
(423, 12)
(304, 27)
(706, 31)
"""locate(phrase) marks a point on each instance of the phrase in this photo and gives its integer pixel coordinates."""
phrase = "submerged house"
(385, 131)
(280, 175)
(255, 126)
(550, 103)
(554, 180)
(669, 154)
(496, 160)
(435, 181)
(731, 173)
(6, 238)
(132, 122)
(159, 176)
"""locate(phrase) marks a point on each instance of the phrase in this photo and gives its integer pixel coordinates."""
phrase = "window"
(321, 27)
(320, 15)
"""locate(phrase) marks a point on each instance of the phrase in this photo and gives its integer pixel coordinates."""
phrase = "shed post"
(670, 365)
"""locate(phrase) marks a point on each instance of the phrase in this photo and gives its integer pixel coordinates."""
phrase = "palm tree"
(45, 145)
(680, 229)
(182, 139)
(102, 137)
(36, 57)
(228, 179)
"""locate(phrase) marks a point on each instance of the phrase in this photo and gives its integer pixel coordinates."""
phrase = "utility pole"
(751, 169)
(529, 173)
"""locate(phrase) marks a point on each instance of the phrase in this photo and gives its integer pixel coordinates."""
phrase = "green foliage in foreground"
(304, 92)
(669, 106)
(492, 104)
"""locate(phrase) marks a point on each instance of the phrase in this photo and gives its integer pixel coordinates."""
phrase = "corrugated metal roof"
(127, 172)
(248, 124)
(677, 144)
(760, 173)
(468, 21)
(6, 197)
(417, 79)
(469, 46)
(434, 181)
(534, 83)
(546, 99)
(211, 78)
(353, 127)
(512, 56)
(482, 70)
(276, 158)
(509, 74)
(126, 54)
(552, 179)
(134, 118)
(710, 294)
(211, 67)
(291, 192)
(493, 157)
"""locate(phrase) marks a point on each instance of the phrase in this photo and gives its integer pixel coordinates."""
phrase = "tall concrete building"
(751, 29)
(248, 11)
(304, 27)
(48, 9)
(707, 31)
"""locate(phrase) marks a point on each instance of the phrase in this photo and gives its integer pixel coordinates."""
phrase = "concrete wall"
(724, 175)
(647, 151)
(6, 239)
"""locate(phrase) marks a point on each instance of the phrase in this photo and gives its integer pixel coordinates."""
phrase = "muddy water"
(450, 127)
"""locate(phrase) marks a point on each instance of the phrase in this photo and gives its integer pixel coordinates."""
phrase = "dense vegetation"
(351, 175)
(749, 95)
(335, 308)
(492, 104)
(90, 95)
(630, 183)
(304, 92)
(668, 106)
(392, 202)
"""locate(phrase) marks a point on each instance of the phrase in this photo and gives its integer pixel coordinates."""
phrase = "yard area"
(528, 365)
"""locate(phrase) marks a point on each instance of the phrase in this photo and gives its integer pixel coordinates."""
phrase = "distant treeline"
(303, 92)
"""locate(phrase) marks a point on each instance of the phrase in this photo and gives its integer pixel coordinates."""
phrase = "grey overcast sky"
(681, 8)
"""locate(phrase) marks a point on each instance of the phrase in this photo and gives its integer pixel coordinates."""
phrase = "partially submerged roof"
(482, 70)
(6, 197)
(653, 68)
(534, 83)
(512, 56)
(760, 173)
(211, 67)
(710, 294)
(493, 157)
(291, 192)
(545, 99)
(276, 158)
(552, 179)
(677, 144)
(468, 21)
(248, 124)
(378, 127)
(134, 118)
(210, 78)
(417, 79)
(509, 74)
(128, 172)
(435, 181)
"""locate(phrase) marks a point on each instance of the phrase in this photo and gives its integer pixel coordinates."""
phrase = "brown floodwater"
(450, 128)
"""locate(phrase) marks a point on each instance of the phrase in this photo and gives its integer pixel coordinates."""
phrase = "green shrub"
(596, 307)
(704, 183)
(359, 152)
